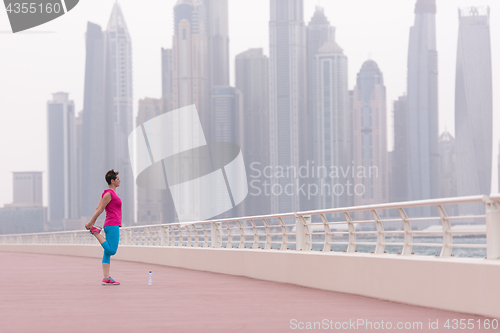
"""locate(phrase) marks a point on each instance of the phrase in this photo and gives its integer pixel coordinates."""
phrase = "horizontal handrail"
(312, 230)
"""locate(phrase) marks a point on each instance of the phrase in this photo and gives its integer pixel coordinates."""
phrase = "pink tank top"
(113, 209)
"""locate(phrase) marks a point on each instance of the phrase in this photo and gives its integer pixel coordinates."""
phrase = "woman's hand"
(89, 225)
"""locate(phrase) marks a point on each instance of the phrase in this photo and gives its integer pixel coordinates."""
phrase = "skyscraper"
(473, 103)
(63, 200)
(107, 114)
(218, 42)
(252, 79)
(448, 170)
(119, 90)
(94, 130)
(166, 78)
(226, 111)
(190, 83)
(226, 106)
(217, 52)
(370, 136)
(333, 125)
(448, 164)
(149, 201)
(422, 121)
(319, 31)
(287, 101)
(78, 154)
(399, 174)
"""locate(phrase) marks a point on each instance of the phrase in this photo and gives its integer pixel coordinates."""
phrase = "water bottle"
(150, 280)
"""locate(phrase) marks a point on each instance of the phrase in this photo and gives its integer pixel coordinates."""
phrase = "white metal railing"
(324, 230)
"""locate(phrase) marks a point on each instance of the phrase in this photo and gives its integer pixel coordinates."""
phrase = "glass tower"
(422, 119)
(473, 103)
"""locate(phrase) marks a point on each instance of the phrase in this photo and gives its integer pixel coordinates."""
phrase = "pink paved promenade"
(48, 293)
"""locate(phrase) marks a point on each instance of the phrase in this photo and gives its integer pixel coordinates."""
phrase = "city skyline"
(340, 28)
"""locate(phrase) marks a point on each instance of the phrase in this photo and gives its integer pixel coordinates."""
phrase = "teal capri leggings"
(111, 244)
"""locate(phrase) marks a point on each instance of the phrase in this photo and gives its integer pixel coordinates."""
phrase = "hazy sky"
(51, 58)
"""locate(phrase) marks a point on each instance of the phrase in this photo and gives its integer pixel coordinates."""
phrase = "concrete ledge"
(454, 284)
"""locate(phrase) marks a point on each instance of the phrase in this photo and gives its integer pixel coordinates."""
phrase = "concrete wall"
(455, 284)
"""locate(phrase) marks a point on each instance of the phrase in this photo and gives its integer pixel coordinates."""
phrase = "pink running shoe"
(95, 230)
(110, 282)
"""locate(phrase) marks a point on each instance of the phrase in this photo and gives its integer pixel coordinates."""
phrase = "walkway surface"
(49, 293)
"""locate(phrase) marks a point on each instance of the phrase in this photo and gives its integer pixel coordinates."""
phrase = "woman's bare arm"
(100, 208)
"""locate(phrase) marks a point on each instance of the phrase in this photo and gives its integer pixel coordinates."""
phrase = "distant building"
(448, 165)
(226, 111)
(154, 206)
(191, 85)
(226, 106)
(119, 85)
(95, 162)
(63, 172)
(390, 160)
(78, 154)
(399, 171)
(20, 220)
(448, 170)
(216, 27)
(473, 105)
(422, 99)
(26, 214)
(218, 42)
(27, 187)
(190, 81)
(370, 137)
(287, 102)
(107, 113)
(166, 78)
(252, 80)
(319, 32)
(334, 147)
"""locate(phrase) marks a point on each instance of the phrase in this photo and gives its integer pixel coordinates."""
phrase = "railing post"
(351, 247)
(255, 244)
(447, 236)
(302, 234)
(127, 237)
(408, 236)
(269, 238)
(380, 232)
(163, 236)
(493, 229)
(242, 236)
(214, 235)
(284, 235)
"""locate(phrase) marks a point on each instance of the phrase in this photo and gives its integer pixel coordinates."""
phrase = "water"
(393, 249)
(424, 250)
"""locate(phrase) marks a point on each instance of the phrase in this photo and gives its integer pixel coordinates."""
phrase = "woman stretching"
(113, 206)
